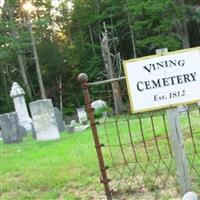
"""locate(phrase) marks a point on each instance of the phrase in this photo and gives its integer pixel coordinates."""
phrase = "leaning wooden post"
(179, 151)
(177, 144)
(83, 79)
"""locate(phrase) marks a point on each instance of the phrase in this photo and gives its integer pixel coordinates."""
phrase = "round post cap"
(83, 78)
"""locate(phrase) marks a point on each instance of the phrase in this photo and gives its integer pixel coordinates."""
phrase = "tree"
(35, 54)
(182, 24)
(69, 41)
(17, 36)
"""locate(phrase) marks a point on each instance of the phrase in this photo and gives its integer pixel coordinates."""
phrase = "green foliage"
(155, 30)
(99, 112)
(69, 43)
(69, 109)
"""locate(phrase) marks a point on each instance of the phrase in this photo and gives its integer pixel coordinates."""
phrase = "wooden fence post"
(177, 144)
(179, 151)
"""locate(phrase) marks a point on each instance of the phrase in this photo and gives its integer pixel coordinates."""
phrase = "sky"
(1, 3)
(54, 3)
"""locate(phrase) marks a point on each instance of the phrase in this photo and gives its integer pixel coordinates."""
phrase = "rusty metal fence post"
(83, 79)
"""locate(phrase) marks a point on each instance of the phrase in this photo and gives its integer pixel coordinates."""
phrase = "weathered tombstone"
(59, 119)
(71, 127)
(34, 135)
(22, 130)
(17, 93)
(73, 122)
(100, 104)
(10, 127)
(44, 120)
(0, 134)
(82, 115)
(190, 196)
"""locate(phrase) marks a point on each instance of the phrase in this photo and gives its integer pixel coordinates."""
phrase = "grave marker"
(82, 115)
(100, 104)
(59, 119)
(17, 93)
(44, 120)
(10, 128)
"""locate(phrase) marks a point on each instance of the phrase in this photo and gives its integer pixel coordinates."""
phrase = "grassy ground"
(68, 168)
(49, 170)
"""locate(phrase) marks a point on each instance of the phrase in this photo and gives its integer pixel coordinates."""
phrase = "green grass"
(68, 168)
(47, 170)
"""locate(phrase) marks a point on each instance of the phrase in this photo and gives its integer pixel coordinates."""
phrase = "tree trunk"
(9, 15)
(24, 76)
(92, 39)
(61, 93)
(6, 89)
(183, 28)
(37, 65)
(132, 36)
(117, 97)
(98, 21)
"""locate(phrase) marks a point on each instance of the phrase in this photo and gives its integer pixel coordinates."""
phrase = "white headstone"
(99, 104)
(82, 115)
(44, 120)
(190, 196)
(17, 94)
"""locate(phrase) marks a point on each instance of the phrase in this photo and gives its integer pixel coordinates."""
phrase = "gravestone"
(59, 119)
(100, 104)
(74, 127)
(17, 94)
(73, 122)
(82, 115)
(22, 130)
(10, 128)
(0, 134)
(71, 127)
(44, 120)
(190, 196)
(34, 136)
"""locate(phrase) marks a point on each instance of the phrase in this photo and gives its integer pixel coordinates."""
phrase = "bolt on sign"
(163, 81)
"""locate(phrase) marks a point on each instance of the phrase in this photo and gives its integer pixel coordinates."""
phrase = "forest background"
(68, 41)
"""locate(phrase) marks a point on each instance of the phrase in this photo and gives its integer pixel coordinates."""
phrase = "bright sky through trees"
(28, 7)
(1, 3)
(56, 3)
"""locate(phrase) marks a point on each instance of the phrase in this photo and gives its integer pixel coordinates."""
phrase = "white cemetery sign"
(163, 81)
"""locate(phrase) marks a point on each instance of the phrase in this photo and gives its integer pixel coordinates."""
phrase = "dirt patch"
(90, 193)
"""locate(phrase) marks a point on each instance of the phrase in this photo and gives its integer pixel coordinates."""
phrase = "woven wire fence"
(137, 149)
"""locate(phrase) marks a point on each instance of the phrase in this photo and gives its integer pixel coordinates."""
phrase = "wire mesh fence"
(136, 149)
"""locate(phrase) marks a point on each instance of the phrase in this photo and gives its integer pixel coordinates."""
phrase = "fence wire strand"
(138, 151)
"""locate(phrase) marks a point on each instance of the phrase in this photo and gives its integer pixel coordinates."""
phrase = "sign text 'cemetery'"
(162, 81)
